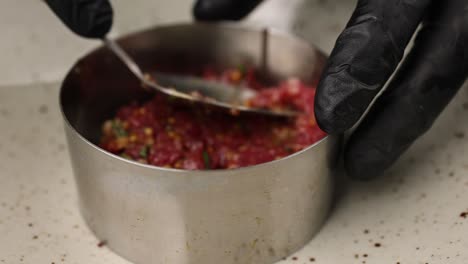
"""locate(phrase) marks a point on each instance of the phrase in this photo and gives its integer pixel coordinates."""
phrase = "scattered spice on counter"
(271, 251)
(377, 245)
(4, 112)
(312, 259)
(102, 243)
(460, 135)
(366, 231)
(464, 215)
(365, 255)
(35, 237)
(43, 109)
(294, 258)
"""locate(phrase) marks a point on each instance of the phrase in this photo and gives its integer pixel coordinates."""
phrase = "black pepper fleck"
(465, 105)
(43, 109)
(312, 259)
(5, 112)
(271, 251)
(294, 258)
(377, 245)
(460, 135)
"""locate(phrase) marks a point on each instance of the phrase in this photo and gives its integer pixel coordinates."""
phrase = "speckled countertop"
(414, 214)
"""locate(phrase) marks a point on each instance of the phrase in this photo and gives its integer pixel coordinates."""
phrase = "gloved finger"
(428, 79)
(215, 10)
(87, 18)
(365, 55)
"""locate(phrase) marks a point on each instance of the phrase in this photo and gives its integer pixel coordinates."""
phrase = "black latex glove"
(212, 10)
(364, 57)
(87, 18)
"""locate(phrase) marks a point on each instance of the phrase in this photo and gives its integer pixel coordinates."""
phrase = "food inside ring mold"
(163, 133)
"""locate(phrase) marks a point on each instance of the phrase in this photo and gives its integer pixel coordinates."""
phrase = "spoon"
(195, 89)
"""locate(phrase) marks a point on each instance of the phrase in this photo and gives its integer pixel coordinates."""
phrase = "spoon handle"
(122, 55)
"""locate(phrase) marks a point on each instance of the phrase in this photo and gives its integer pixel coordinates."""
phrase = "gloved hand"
(364, 57)
(87, 18)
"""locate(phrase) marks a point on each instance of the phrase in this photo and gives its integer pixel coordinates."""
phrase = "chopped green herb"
(206, 159)
(125, 156)
(118, 129)
(144, 151)
(243, 69)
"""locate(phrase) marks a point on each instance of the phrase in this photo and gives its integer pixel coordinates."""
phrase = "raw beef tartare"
(164, 134)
